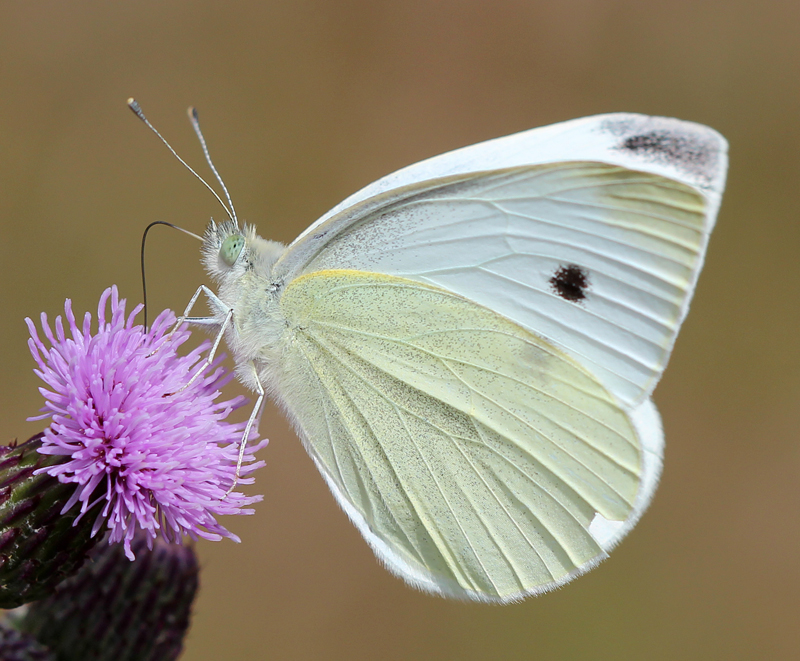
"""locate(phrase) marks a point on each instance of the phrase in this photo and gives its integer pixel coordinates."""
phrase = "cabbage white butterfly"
(467, 347)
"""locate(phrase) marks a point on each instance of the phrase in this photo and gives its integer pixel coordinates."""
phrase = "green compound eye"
(231, 248)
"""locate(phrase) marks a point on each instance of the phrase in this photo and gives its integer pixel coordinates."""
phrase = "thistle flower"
(138, 430)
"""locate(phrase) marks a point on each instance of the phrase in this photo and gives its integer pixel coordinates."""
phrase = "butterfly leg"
(210, 357)
(196, 321)
(253, 421)
(213, 299)
(205, 321)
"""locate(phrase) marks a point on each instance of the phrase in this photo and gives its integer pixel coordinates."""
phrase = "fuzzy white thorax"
(248, 288)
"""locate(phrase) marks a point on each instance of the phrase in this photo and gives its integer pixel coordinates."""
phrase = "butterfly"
(467, 347)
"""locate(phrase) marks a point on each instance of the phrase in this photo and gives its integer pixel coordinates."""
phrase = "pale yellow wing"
(478, 460)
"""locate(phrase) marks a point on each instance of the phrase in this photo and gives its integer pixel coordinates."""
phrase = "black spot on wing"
(570, 282)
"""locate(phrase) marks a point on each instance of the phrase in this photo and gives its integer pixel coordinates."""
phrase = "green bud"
(115, 609)
(39, 546)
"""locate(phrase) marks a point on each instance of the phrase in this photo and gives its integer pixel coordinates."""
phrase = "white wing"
(484, 223)
(588, 234)
(476, 459)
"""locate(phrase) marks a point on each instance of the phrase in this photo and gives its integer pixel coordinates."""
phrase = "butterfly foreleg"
(212, 352)
(197, 321)
(215, 302)
(208, 322)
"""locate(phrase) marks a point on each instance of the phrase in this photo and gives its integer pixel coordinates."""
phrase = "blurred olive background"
(303, 103)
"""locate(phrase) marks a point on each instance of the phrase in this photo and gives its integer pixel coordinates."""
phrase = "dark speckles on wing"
(669, 147)
(670, 142)
(571, 283)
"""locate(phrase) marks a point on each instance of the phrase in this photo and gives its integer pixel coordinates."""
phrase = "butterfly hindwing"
(476, 458)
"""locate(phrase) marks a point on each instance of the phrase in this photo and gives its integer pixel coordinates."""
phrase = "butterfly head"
(230, 252)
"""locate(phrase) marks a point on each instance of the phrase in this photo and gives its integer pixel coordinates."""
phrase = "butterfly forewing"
(597, 259)
(473, 455)
(687, 152)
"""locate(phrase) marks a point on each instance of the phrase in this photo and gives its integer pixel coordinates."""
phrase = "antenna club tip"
(192, 112)
(133, 104)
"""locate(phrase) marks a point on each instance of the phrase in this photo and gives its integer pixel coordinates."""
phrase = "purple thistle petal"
(122, 411)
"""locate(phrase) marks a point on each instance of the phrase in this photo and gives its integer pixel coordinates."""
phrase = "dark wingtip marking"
(570, 282)
(674, 148)
(654, 139)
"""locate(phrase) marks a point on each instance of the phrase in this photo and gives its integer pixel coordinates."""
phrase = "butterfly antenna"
(137, 110)
(195, 120)
(144, 239)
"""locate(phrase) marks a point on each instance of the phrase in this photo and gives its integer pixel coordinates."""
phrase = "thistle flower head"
(135, 430)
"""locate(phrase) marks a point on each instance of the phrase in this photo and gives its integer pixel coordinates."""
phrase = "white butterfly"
(467, 347)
